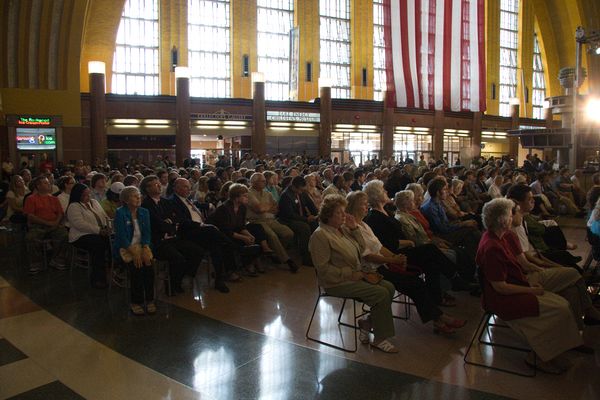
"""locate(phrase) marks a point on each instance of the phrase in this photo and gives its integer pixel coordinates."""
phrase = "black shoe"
(221, 287)
(293, 266)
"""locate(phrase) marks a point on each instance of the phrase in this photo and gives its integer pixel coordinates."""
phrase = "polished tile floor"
(59, 339)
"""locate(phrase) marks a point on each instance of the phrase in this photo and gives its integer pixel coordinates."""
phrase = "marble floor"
(59, 339)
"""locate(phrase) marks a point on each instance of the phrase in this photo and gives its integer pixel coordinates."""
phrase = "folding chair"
(484, 327)
(354, 326)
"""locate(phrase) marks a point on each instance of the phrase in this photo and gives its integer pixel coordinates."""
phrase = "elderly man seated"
(262, 209)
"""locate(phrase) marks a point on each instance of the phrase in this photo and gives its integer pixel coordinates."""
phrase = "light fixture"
(280, 124)
(182, 72)
(125, 121)
(593, 109)
(96, 67)
(234, 127)
(235, 122)
(207, 122)
(157, 121)
(304, 124)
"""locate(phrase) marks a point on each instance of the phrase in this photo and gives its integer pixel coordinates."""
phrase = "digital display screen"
(36, 138)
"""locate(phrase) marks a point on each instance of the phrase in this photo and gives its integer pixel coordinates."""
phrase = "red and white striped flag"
(435, 54)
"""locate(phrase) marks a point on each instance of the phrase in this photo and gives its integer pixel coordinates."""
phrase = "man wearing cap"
(112, 202)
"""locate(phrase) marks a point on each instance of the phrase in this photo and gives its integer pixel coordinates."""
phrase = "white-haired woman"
(335, 247)
(413, 228)
(543, 318)
(377, 258)
(427, 257)
(132, 245)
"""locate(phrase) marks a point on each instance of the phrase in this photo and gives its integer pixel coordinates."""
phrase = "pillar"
(438, 135)
(513, 142)
(387, 138)
(96, 70)
(476, 135)
(326, 109)
(183, 139)
(259, 117)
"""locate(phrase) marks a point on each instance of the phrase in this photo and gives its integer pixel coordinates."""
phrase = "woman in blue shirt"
(132, 245)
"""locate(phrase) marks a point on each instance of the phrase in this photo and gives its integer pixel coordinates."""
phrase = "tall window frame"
(379, 77)
(275, 20)
(136, 66)
(334, 19)
(538, 95)
(209, 48)
(509, 41)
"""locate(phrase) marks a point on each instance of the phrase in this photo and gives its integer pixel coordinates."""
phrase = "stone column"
(387, 138)
(513, 142)
(259, 117)
(438, 135)
(326, 110)
(183, 138)
(96, 70)
(476, 135)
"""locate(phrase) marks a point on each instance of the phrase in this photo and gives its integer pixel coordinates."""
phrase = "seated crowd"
(421, 229)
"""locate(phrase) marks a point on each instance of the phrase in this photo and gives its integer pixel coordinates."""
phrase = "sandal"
(385, 346)
(136, 309)
(151, 307)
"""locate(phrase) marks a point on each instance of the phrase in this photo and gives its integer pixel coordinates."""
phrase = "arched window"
(275, 19)
(335, 45)
(379, 78)
(209, 48)
(135, 62)
(509, 39)
(539, 83)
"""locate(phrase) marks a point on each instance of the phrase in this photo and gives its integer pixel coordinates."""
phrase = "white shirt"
(194, 212)
(82, 220)
(137, 233)
(522, 235)
(372, 246)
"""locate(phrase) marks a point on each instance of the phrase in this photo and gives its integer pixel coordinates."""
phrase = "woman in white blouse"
(377, 258)
(89, 231)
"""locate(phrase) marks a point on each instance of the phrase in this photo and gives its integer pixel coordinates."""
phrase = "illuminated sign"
(291, 116)
(221, 115)
(34, 121)
(36, 138)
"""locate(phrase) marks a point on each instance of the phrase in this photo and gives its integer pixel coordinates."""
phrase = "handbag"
(127, 256)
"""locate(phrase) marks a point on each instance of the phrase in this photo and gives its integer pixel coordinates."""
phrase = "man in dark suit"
(183, 255)
(297, 211)
(192, 227)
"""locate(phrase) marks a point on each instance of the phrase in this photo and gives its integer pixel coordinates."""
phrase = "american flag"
(435, 55)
